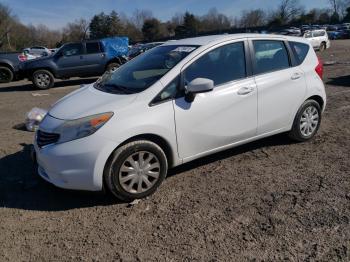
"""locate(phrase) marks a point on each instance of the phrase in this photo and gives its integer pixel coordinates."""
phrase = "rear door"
(94, 59)
(310, 36)
(281, 85)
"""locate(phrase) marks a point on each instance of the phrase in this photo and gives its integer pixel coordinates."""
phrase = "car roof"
(213, 39)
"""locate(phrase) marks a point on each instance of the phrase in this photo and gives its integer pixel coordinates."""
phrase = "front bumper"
(77, 164)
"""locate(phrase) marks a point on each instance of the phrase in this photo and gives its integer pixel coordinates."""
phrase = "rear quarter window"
(92, 48)
(300, 51)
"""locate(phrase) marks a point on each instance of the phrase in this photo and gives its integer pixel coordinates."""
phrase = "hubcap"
(139, 172)
(42, 80)
(309, 121)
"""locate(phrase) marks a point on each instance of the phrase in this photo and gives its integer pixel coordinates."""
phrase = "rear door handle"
(245, 90)
(296, 76)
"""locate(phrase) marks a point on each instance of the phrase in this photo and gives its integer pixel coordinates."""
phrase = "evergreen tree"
(151, 29)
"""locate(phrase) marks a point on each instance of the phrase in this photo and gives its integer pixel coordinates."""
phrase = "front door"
(69, 60)
(227, 114)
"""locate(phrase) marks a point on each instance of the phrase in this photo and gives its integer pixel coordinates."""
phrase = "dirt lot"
(268, 200)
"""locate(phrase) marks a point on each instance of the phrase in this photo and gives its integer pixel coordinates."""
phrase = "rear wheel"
(306, 122)
(136, 170)
(43, 79)
(323, 47)
(6, 74)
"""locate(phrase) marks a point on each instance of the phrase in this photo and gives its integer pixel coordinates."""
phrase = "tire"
(323, 47)
(6, 74)
(43, 79)
(307, 121)
(112, 66)
(125, 180)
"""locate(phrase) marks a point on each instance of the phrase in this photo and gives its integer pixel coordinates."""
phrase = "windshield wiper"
(115, 88)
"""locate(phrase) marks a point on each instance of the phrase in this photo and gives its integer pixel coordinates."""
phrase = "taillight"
(22, 58)
(319, 68)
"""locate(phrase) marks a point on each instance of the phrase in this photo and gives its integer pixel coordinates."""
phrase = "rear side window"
(300, 51)
(319, 33)
(270, 55)
(92, 48)
(222, 65)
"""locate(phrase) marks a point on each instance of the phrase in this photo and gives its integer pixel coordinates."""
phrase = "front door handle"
(245, 90)
(296, 76)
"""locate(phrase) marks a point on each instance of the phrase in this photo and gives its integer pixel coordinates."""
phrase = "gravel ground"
(270, 200)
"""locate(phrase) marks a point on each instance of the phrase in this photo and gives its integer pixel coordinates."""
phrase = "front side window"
(72, 49)
(308, 35)
(269, 56)
(223, 64)
(140, 73)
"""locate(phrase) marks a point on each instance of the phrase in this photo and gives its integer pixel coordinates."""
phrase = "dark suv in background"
(84, 59)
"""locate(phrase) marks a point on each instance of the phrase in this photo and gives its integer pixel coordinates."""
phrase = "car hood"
(88, 101)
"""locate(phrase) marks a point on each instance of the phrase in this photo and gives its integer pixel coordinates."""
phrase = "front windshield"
(140, 73)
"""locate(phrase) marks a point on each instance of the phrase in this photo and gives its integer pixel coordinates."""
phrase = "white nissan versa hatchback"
(177, 102)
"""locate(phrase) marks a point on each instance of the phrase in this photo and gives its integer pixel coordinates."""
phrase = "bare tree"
(6, 22)
(177, 19)
(334, 5)
(140, 16)
(76, 31)
(339, 6)
(214, 20)
(288, 10)
(253, 18)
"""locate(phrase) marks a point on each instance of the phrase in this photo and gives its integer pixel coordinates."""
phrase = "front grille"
(44, 139)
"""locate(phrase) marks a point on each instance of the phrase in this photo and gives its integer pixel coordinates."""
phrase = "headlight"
(79, 128)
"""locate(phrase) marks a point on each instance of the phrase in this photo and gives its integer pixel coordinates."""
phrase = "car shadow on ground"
(340, 81)
(22, 188)
(30, 87)
(276, 140)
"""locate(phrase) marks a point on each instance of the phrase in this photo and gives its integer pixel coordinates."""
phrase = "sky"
(57, 13)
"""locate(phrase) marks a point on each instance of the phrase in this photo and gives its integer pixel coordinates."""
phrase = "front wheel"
(306, 122)
(135, 170)
(43, 79)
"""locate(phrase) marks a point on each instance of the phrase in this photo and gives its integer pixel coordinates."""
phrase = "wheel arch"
(318, 99)
(8, 66)
(160, 141)
(32, 71)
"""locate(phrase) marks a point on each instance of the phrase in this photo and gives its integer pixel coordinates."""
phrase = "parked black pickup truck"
(83, 59)
(9, 63)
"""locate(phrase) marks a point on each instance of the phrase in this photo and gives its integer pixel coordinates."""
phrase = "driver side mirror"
(198, 85)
